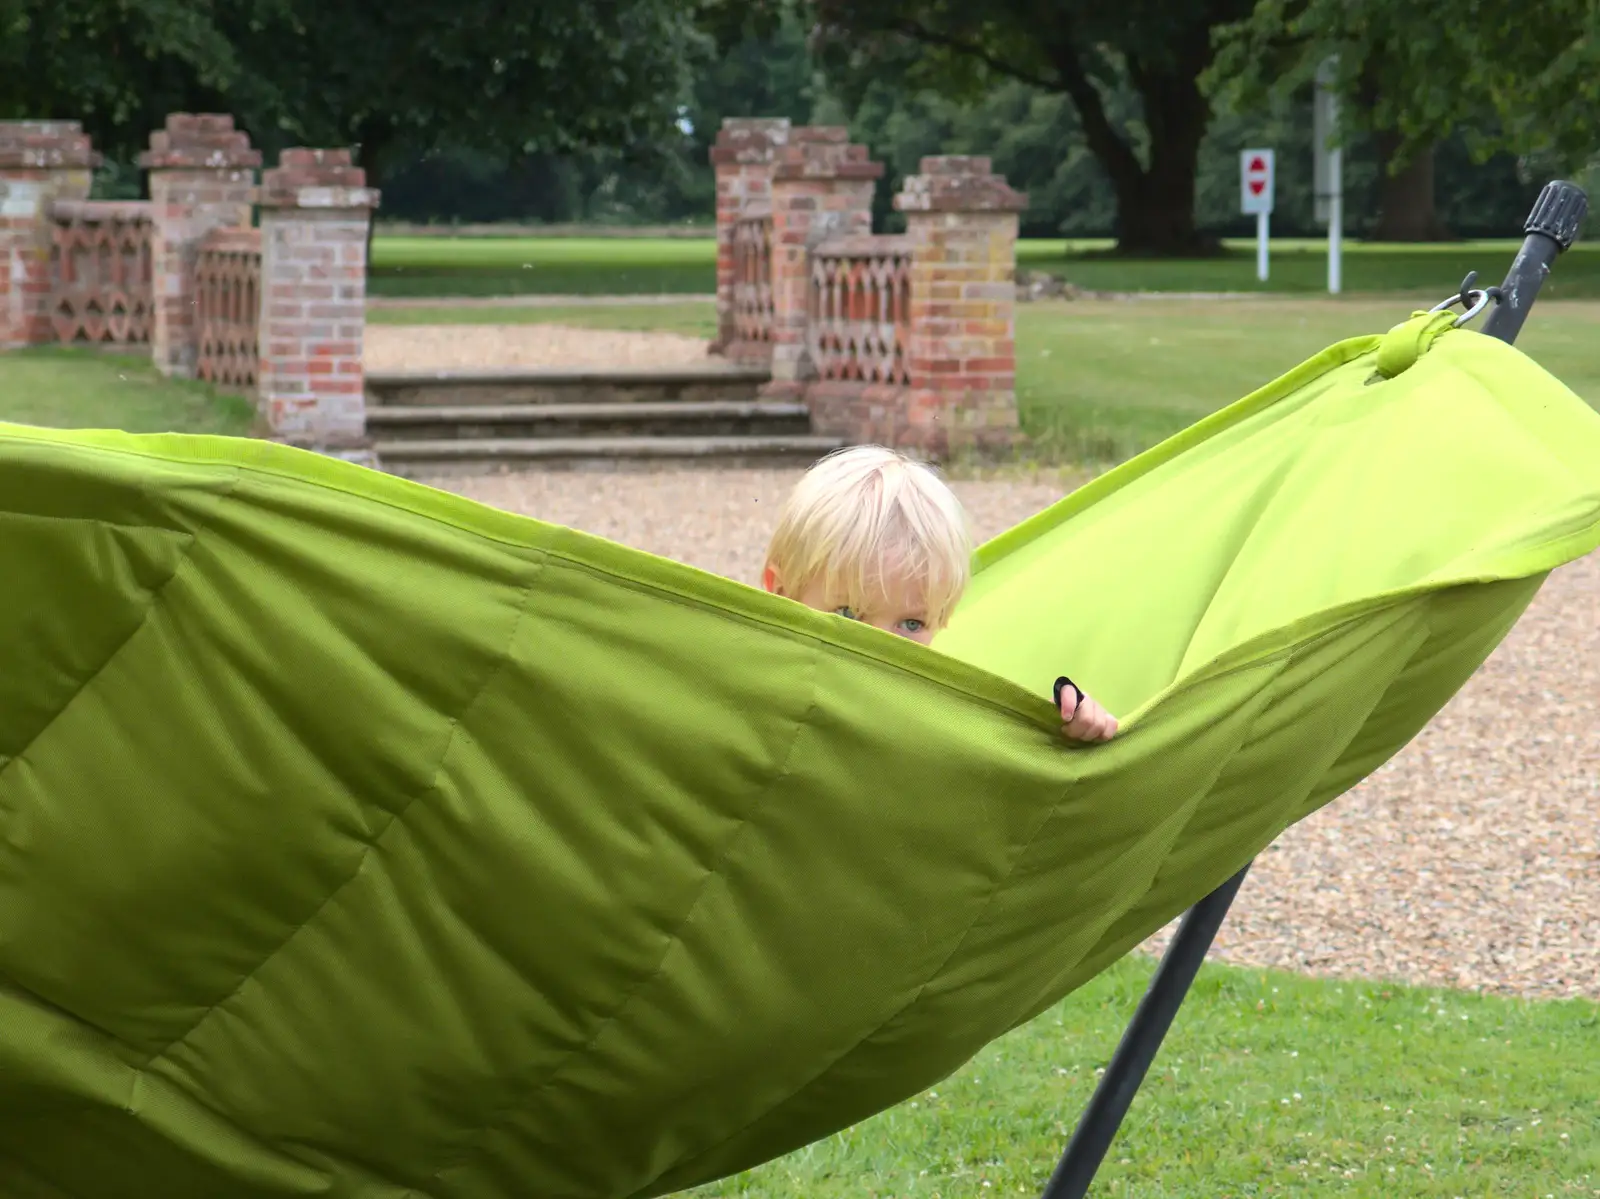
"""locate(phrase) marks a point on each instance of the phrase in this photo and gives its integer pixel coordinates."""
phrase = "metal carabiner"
(1473, 299)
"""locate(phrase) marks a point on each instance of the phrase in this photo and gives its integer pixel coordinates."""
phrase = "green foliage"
(120, 65)
(1513, 76)
(1033, 136)
(1037, 142)
(403, 77)
(504, 79)
(1092, 53)
(762, 69)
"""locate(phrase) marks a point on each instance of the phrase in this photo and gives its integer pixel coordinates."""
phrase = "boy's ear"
(769, 581)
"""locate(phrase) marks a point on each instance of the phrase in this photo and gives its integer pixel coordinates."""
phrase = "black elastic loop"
(1064, 681)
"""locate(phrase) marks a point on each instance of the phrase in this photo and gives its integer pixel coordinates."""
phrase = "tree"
(393, 79)
(1511, 76)
(118, 65)
(1085, 50)
(1408, 209)
(415, 75)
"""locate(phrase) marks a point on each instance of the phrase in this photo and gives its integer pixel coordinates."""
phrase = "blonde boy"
(872, 535)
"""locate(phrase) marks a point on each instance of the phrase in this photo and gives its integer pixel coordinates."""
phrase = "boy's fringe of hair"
(865, 516)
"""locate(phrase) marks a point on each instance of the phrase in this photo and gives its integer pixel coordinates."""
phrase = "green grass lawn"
(484, 266)
(90, 390)
(1302, 266)
(1269, 1084)
(466, 266)
(1100, 382)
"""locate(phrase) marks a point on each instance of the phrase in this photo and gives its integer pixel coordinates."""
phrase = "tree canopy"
(1032, 134)
(394, 78)
(1085, 50)
(1514, 76)
(605, 109)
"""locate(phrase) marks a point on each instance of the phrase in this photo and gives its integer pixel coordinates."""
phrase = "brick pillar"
(742, 157)
(315, 207)
(202, 177)
(961, 220)
(40, 162)
(821, 187)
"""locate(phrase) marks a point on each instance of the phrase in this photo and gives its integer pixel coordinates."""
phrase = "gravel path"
(442, 347)
(1471, 860)
(532, 300)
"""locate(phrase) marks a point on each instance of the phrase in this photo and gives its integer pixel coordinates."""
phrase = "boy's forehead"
(885, 590)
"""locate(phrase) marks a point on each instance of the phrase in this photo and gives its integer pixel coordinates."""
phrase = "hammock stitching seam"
(395, 818)
(470, 1148)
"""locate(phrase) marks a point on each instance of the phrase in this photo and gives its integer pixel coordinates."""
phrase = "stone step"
(413, 457)
(522, 421)
(492, 388)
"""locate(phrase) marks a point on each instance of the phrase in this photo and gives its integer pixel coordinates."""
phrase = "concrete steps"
(489, 388)
(448, 421)
(412, 457)
(516, 422)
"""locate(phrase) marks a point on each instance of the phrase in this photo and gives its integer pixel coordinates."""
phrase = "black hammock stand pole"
(1551, 228)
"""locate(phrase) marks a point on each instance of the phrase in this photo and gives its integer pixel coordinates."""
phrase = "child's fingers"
(1088, 722)
(1083, 725)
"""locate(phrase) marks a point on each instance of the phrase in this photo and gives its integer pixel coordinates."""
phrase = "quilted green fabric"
(359, 840)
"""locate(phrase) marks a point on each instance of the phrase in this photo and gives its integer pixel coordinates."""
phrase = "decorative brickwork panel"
(41, 163)
(822, 189)
(742, 158)
(752, 279)
(859, 316)
(202, 177)
(100, 272)
(227, 288)
(953, 357)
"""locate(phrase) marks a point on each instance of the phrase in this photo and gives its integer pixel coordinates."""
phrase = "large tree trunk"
(1155, 200)
(1155, 207)
(374, 148)
(1406, 204)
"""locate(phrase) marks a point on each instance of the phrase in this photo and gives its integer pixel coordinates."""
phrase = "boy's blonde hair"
(864, 516)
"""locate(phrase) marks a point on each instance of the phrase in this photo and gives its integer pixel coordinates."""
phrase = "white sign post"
(1256, 178)
(1328, 170)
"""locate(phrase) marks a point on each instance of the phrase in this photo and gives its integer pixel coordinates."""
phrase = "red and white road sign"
(1256, 178)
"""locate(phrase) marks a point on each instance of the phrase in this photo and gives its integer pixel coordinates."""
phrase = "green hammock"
(360, 840)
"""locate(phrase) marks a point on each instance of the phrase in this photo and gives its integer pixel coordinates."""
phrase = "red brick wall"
(962, 228)
(742, 157)
(961, 222)
(40, 162)
(821, 187)
(202, 177)
(315, 207)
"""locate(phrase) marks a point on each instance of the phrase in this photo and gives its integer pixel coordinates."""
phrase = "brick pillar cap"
(45, 145)
(749, 140)
(316, 179)
(830, 135)
(958, 183)
(824, 154)
(199, 141)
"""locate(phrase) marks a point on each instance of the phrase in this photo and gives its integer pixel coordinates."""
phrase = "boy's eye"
(912, 625)
(847, 612)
